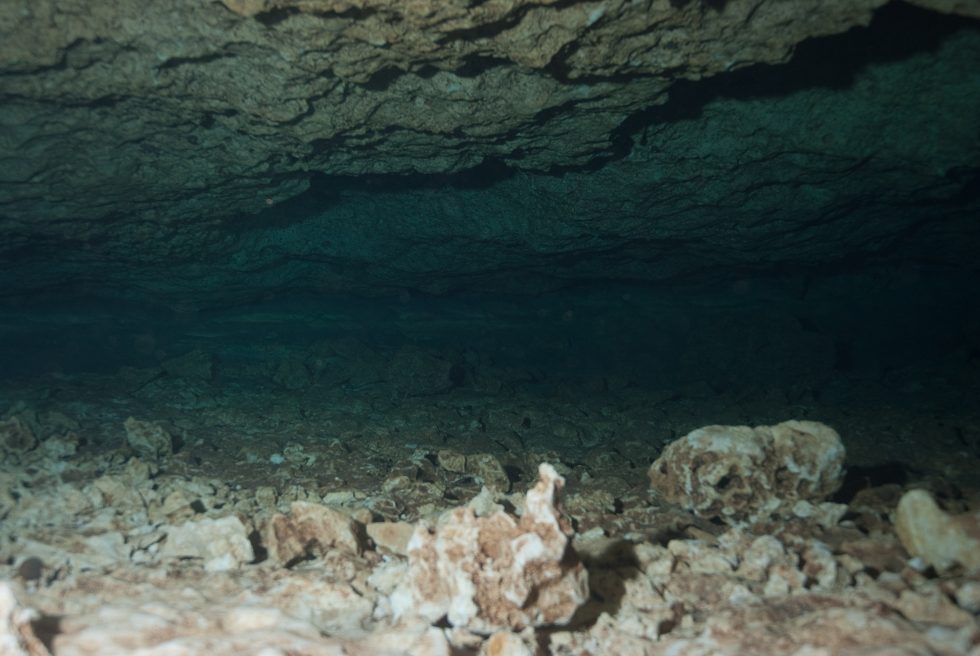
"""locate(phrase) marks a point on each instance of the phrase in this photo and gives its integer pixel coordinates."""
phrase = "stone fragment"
(16, 435)
(222, 543)
(195, 364)
(452, 461)
(311, 530)
(16, 634)
(940, 539)
(147, 439)
(496, 573)
(60, 447)
(505, 643)
(488, 470)
(968, 597)
(392, 537)
(740, 473)
(932, 607)
(763, 552)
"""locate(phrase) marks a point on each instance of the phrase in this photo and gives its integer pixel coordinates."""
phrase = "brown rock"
(496, 573)
(311, 530)
(738, 472)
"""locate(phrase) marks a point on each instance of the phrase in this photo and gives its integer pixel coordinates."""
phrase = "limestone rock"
(488, 470)
(940, 539)
(222, 543)
(311, 529)
(169, 627)
(738, 472)
(496, 573)
(16, 435)
(16, 635)
(147, 439)
(392, 537)
(505, 643)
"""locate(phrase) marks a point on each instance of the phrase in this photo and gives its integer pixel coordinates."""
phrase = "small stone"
(30, 569)
(941, 539)
(147, 439)
(452, 461)
(968, 596)
(489, 471)
(311, 530)
(505, 643)
(16, 435)
(222, 543)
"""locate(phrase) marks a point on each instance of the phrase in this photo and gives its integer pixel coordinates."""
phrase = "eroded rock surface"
(496, 573)
(145, 140)
(941, 539)
(738, 472)
(102, 551)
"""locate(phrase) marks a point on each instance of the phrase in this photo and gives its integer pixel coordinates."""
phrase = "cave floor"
(385, 455)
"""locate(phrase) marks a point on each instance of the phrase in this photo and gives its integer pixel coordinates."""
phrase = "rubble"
(374, 542)
(147, 439)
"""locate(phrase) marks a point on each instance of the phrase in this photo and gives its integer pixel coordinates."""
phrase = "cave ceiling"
(222, 151)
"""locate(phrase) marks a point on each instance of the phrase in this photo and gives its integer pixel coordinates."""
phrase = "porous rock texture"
(137, 139)
(495, 573)
(16, 637)
(739, 472)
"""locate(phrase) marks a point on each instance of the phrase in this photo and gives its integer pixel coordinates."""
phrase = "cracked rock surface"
(261, 137)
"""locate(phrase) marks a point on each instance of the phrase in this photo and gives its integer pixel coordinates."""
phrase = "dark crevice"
(273, 17)
(278, 15)
(474, 65)
(46, 628)
(859, 478)
(381, 79)
(175, 62)
(492, 29)
(897, 32)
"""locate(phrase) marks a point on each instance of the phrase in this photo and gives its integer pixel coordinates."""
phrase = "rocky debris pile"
(131, 554)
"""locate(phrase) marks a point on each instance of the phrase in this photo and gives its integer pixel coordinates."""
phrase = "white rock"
(968, 596)
(222, 543)
(16, 635)
(494, 573)
(738, 472)
(311, 529)
(941, 539)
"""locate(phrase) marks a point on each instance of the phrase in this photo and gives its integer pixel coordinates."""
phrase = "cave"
(558, 327)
